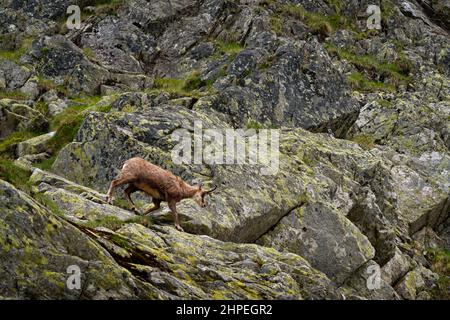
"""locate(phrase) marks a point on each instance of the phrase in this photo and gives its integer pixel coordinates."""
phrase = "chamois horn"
(209, 191)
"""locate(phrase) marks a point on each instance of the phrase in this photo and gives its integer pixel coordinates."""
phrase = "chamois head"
(199, 195)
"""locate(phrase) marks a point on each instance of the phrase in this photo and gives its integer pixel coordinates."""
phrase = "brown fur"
(160, 184)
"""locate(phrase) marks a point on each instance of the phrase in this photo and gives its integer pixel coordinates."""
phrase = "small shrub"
(253, 124)
(276, 25)
(365, 141)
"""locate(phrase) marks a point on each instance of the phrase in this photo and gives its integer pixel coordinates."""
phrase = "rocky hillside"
(364, 169)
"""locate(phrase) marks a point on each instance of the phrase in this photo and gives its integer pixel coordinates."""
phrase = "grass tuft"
(14, 174)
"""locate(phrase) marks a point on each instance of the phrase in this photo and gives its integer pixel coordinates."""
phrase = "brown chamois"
(160, 184)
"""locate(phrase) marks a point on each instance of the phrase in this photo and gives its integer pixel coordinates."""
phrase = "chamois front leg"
(173, 208)
(128, 191)
(114, 184)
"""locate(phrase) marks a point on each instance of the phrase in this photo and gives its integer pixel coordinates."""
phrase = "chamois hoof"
(109, 200)
(136, 211)
(179, 228)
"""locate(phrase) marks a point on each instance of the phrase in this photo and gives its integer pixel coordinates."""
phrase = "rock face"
(38, 247)
(327, 239)
(356, 203)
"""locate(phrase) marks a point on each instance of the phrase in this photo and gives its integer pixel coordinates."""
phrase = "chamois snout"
(199, 196)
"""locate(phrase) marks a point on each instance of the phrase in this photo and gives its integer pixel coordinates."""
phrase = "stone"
(35, 145)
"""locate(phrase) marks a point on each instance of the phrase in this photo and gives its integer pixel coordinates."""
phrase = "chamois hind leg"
(114, 184)
(173, 208)
(128, 191)
(156, 206)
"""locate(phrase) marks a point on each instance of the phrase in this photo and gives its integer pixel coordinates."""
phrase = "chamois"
(160, 184)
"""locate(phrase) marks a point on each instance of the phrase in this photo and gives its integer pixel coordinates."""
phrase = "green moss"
(105, 6)
(66, 126)
(110, 222)
(252, 124)
(387, 10)
(384, 103)
(48, 202)
(89, 53)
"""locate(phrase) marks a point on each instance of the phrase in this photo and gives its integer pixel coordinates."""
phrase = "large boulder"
(38, 249)
(16, 116)
(327, 239)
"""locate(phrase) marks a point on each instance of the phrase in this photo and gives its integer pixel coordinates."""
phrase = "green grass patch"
(67, 123)
(359, 82)
(365, 141)
(191, 86)
(397, 71)
(46, 164)
(440, 263)
(14, 55)
(47, 85)
(252, 124)
(13, 94)
(228, 47)
(7, 145)
(318, 24)
(276, 24)
(14, 174)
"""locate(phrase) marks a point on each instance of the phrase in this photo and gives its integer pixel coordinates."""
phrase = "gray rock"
(16, 116)
(329, 241)
(35, 145)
